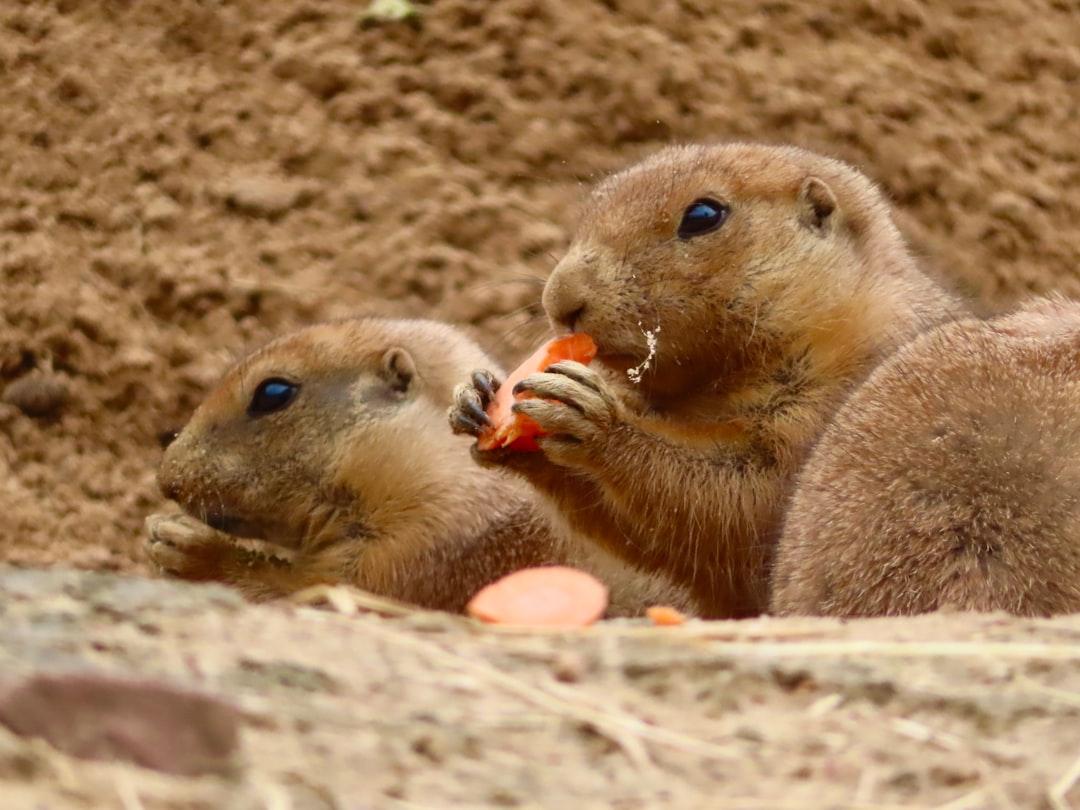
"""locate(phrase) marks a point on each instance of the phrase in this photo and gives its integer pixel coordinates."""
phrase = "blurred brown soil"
(183, 178)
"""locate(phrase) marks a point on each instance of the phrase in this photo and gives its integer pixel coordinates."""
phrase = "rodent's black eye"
(272, 395)
(702, 216)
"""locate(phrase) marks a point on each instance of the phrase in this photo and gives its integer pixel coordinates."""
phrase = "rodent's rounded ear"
(398, 369)
(818, 204)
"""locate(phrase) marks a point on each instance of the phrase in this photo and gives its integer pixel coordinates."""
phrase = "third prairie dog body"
(950, 478)
(736, 293)
(329, 445)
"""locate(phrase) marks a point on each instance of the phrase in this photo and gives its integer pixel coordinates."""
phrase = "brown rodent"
(769, 280)
(950, 478)
(329, 445)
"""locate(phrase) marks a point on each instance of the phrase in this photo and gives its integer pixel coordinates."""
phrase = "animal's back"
(951, 478)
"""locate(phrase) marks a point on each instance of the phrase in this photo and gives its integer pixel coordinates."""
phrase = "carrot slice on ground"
(551, 596)
(664, 616)
(515, 430)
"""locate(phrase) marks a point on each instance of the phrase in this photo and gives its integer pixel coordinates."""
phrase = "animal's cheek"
(228, 464)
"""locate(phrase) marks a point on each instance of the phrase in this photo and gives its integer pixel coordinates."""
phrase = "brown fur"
(951, 478)
(357, 480)
(765, 325)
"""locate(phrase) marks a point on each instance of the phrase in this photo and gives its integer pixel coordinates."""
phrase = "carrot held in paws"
(517, 431)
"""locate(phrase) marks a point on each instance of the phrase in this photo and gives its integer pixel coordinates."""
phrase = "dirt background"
(181, 178)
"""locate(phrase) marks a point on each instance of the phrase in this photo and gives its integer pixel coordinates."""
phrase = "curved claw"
(547, 388)
(583, 397)
(460, 423)
(485, 384)
(473, 409)
(577, 372)
(467, 415)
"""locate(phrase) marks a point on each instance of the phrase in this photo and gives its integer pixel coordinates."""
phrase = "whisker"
(516, 278)
(529, 322)
(533, 304)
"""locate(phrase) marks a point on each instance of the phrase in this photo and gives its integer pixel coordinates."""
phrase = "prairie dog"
(951, 478)
(329, 446)
(737, 292)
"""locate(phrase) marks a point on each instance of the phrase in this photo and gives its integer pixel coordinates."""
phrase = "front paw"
(467, 413)
(575, 409)
(181, 546)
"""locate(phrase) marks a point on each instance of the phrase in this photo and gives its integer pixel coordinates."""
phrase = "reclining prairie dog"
(736, 293)
(330, 445)
(950, 478)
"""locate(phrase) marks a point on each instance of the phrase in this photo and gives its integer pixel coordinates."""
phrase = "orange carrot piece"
(551, 596)
(515, 430)
(665, 616)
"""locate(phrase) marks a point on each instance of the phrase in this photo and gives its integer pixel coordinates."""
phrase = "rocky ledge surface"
(139, 693)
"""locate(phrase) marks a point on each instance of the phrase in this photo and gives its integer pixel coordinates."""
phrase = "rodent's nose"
(563, 297)
(168, 476)
(170, 489)
(570, 319)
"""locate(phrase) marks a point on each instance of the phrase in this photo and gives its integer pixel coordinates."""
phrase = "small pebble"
(266, 195)
(161, 211)
(39, 393)
(568, 667)
(1011, 207)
